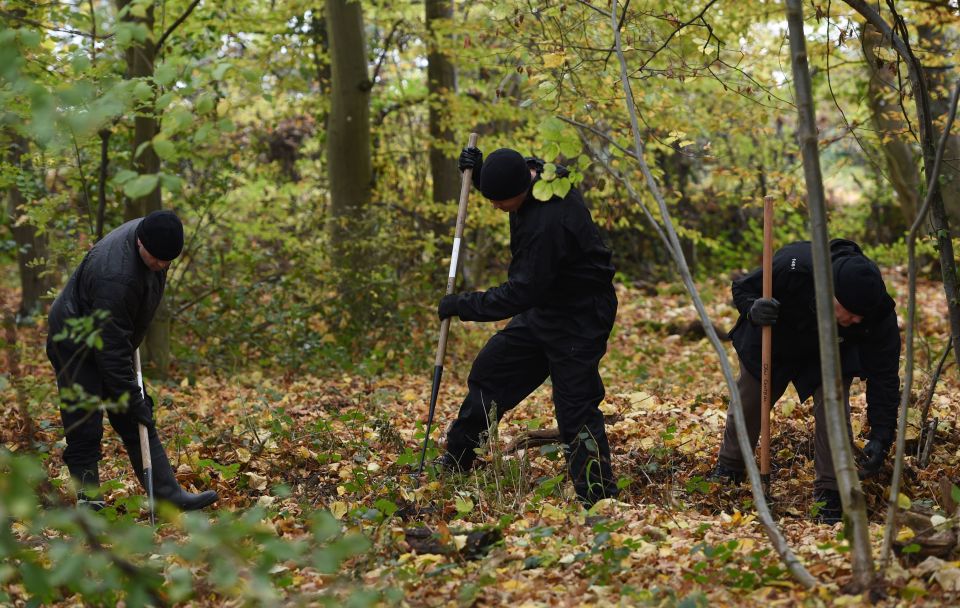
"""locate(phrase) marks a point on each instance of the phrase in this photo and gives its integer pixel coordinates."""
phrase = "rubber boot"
(165, 485)
(87, 479)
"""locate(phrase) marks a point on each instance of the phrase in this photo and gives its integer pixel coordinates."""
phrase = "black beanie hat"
(857, 284)
(504, 175)
(161, 234)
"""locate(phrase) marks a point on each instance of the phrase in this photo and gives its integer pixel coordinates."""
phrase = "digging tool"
(766, 347)
(466, 182)
(145, 444)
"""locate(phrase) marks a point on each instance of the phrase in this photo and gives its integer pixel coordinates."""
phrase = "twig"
(911, 314)
(929, 397)
(62, 30)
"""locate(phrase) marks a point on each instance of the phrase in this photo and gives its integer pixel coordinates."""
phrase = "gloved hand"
(447, 307)
(470, 158)
(875, 452)
(142, 412)
(764, 311)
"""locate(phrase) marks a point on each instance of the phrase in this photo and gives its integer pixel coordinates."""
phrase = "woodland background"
(310, 148)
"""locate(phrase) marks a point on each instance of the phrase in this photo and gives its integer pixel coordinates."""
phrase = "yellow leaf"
(903, 501)
(904, 534)
(243, 455)
(338, 509)
(409, 395)
(553, 60)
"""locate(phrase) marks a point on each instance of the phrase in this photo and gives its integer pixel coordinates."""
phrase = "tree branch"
(175, 25)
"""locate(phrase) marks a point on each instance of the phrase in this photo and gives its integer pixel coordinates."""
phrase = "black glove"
(142, 412)
(764, 311)
(470, 158)
(448, 307)
(875, 452)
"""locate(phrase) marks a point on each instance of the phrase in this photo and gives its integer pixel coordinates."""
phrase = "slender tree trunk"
(348, 137)
(140, 63)
(31, 246)
(441, 83)
(669, 236)
(854, 505)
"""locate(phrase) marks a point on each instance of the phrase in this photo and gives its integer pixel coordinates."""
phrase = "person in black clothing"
(869, 348)
(123, 275)
(560, 295)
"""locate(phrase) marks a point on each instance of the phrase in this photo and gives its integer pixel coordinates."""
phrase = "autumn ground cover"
(286, 447)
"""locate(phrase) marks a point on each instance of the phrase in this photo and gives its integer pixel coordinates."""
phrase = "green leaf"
(141, 186)
(171, 183)
(143, 91)
(955, 493)
(205, 103)
(221, 69)
(911, 548)
(164, 147)
(561, 187)
(386, 507)
(124, 176)
(165, 74)
(543, 190)
(464, 504)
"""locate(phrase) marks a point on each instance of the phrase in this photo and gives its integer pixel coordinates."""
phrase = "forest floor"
(349, 444)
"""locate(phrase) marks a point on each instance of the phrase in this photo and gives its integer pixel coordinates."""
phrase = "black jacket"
(560, 280)
(870, 349)
(112, 277)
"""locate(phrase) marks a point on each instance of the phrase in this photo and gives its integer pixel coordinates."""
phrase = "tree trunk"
(851, 495)
(140, 59)
(441, 83)
(30, 245)
(886, 117)
(348, 138)
(938, 215)
(940, 44)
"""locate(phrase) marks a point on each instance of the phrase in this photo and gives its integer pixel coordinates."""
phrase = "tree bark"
(885, 115)
(441, 83)
(851, 495)
(348, 137)
(140, 57)
(31, 245)
(938, 215)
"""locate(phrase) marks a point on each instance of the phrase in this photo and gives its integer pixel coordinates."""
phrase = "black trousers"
(84, 427)
(514, 362)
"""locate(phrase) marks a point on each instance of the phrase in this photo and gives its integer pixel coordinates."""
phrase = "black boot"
(722, 474)
(831, 511)
(165, 485)
(87, 479)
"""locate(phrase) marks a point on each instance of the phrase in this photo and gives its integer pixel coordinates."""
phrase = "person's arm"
(115, 359)
(533, 269)
(746, 289)
(880, 358)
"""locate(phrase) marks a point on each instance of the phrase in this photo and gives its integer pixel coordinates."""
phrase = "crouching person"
(869, 348)
(124, 276)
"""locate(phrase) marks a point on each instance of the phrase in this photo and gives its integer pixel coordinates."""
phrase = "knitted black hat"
(504, 175)
(857, 284)
(161, 234)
